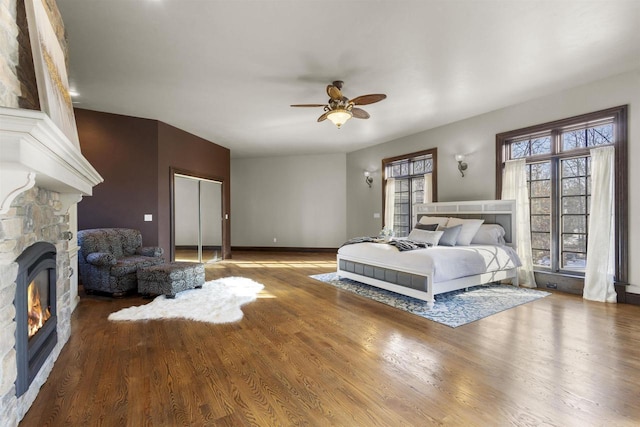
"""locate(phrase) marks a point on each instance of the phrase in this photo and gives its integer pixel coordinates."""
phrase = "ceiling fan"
(339, 108)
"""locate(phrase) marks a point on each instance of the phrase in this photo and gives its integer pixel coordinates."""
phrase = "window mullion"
(556, 202)
(410, 203)
(556, 210)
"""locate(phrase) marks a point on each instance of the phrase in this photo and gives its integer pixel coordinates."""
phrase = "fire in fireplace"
(35, 303)
(38, 307)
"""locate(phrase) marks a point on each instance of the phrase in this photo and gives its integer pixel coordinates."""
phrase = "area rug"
(218, 301)
(454, 308)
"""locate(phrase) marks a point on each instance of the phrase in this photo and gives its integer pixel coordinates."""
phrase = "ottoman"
(170, 278)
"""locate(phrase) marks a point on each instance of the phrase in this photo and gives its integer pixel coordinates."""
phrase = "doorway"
(197, 207)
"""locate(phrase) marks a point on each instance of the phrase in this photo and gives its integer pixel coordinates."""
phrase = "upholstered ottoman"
(170, 278)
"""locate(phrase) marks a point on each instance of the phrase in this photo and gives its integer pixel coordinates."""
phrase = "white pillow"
(425, 236)
(440, 220)
(469, 229)
(489, 234)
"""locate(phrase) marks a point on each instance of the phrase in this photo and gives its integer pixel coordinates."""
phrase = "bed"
(424, 273)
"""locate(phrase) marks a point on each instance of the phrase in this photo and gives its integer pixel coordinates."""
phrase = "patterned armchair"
(110, 257)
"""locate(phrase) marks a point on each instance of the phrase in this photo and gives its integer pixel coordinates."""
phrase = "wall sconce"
(368, 178)
(462, 166)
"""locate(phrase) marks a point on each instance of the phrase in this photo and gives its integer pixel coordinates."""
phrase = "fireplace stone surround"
(42, 176)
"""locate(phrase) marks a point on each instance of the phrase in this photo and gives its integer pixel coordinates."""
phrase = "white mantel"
(42, 176)
(34, 151)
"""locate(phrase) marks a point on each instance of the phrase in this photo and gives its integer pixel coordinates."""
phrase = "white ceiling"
(228, 70)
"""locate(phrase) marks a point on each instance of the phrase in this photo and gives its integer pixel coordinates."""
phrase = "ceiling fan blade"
(323, 117)
(368, 99)
(308, 105)
(359, 113)
(334, 92)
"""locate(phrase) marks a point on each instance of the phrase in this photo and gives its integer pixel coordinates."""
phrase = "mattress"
(445, 262)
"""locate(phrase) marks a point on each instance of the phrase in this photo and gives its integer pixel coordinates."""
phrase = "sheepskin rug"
(218, 301)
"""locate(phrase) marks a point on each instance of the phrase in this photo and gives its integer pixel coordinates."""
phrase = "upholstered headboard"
(501, 212)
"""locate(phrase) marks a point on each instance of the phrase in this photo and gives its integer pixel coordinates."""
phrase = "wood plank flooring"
(309, 354)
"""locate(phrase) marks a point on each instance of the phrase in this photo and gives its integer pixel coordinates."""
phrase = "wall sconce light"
(368, 178)
(462, 166)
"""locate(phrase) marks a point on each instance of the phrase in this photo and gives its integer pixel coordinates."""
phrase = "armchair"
(110, 257)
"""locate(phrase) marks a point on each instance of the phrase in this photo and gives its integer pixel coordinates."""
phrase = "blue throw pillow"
(450, 235)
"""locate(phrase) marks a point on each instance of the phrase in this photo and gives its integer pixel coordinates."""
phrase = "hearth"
(36, 316)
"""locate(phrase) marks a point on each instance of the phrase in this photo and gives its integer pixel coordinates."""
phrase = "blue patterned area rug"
(453, 309)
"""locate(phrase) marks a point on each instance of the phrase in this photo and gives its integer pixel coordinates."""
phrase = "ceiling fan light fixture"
(339, 116)
(339, 108)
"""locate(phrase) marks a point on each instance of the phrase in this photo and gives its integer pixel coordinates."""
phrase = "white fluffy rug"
(218, 301)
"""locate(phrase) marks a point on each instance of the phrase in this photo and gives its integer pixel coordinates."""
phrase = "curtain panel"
(428, 188)
(599, 273)
(514, 187)
(389, 203)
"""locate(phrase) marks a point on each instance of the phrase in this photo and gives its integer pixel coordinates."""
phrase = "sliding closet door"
(197, 219)
(211, 220)
(186, 218)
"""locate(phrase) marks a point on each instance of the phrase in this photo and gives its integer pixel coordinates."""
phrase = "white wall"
(299, 200)
(476, 138)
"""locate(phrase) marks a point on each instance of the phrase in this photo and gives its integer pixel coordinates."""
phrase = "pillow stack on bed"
(469, 229)
(445, 231)
(426, 235)
(489, 234)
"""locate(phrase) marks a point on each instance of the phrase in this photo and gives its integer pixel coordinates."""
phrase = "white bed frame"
(478, 209)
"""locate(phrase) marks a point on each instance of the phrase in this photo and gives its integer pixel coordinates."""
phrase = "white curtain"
(598, 278)
(428, 188)
(514, 187)
(389, 203)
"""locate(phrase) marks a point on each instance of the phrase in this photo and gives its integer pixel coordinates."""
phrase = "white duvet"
(446, 262)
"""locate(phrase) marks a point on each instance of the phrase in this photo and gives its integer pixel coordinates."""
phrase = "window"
(408, 172)
(559, 182)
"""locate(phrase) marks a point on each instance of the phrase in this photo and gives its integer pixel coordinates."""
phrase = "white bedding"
(446, 262)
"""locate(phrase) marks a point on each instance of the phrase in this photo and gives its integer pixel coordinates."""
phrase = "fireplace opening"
(38, 306)
(35, 303)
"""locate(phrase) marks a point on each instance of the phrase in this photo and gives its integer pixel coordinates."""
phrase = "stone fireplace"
(42, 177)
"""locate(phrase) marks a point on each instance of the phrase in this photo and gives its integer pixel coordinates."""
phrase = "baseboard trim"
(633, 299)
(282, 249)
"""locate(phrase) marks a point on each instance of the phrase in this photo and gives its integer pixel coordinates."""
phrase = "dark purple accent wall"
(124, 151)
(186, 153)
(135, 157)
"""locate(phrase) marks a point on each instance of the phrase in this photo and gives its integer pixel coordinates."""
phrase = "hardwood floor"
(307, 353)
(191, 255)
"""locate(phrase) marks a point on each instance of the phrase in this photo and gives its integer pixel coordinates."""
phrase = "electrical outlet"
(376, 215)
(275, 240)
(148, 217)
